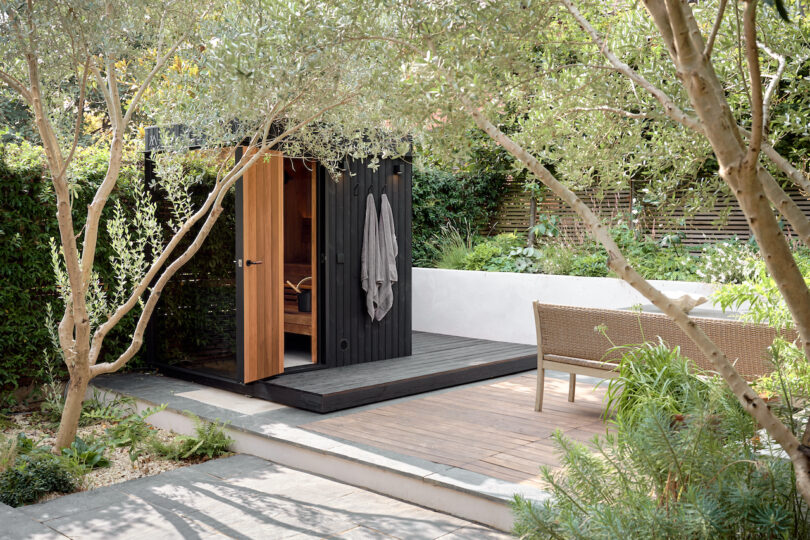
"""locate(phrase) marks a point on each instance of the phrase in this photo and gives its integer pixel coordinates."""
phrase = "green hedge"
(440, 198)
(27, 222)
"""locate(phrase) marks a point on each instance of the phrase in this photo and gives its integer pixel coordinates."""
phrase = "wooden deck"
(437, 361)
(490, 429)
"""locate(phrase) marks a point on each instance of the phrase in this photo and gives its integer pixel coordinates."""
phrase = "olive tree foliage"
(273, 82)
(604, 91)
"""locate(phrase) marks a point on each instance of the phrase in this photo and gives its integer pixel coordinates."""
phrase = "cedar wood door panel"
(263, 240)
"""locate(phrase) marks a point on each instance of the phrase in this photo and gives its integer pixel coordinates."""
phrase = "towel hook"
(370, 187)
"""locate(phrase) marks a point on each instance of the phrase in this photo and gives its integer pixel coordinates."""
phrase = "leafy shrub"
(97, 409)
(654, 373)
(547, 225)
(727, 262)
(85, 456)
(133, 432)
(451, 246)
(653, 261)
(687, 479)
(32, 476)
(527, 259)
(686, 461)
(788, 385)
(760, 293)
(791, 373)
(209, 441)
(487, 255)
(592, 265)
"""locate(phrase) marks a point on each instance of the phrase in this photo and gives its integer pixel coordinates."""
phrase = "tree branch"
(707, 51)
(102, 194)
(772, 86)
(797, 176)
(79, 117)
(752, 56)
(613, 110)
(102, 85)
(74, 321)
(671, 109)
(783, 204)
(18, 86)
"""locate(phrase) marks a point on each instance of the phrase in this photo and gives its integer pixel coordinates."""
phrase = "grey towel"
(388, 252)
(370, 261)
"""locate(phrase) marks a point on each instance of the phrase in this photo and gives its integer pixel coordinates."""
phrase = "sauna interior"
(300, 308)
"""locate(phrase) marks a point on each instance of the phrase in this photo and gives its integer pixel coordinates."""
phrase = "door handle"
(249, 262)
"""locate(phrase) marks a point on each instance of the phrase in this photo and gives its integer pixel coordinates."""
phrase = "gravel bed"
(121, 468)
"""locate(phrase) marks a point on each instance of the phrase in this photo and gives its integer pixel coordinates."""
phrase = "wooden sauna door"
(263, 268)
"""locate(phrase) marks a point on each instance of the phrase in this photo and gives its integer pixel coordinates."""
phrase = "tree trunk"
(69, 423)
(532, 219)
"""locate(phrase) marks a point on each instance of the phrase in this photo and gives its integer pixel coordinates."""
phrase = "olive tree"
(270, 82)
(473, 60)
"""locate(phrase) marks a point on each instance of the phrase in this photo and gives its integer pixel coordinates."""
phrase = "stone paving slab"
(238, 497)
(15, 525)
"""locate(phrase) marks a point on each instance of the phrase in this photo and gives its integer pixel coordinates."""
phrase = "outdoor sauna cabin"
(230, 317)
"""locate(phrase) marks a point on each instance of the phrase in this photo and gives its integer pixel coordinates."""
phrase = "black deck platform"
(438, 361)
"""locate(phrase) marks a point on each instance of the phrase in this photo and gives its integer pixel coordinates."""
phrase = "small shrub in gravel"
(209, 441)
(32, 476)
(86, 455)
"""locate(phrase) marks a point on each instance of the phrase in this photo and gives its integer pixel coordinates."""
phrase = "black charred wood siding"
(347, 334)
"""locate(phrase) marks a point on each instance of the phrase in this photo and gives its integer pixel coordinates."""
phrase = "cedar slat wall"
(513, 216)
(343, 318)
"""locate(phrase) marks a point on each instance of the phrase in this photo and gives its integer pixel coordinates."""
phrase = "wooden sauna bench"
(296, 322)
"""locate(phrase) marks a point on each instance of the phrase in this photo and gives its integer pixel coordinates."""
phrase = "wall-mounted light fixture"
(396, 169)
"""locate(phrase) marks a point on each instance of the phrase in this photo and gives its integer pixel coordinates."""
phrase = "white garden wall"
(498, 305)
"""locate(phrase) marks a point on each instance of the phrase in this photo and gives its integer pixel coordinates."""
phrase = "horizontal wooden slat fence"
(724, 222)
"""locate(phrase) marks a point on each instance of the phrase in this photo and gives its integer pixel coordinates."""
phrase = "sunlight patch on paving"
(232, 402)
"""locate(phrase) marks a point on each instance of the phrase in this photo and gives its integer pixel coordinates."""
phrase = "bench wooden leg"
(572, 386)
(538, 397)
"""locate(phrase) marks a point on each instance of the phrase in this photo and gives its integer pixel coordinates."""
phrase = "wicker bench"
(567, 341)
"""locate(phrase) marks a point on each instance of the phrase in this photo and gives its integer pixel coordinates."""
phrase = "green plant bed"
(684, 460)
(724, 262)
(114, 444)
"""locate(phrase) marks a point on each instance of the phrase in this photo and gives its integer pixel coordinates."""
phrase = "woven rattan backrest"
(570, 331)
